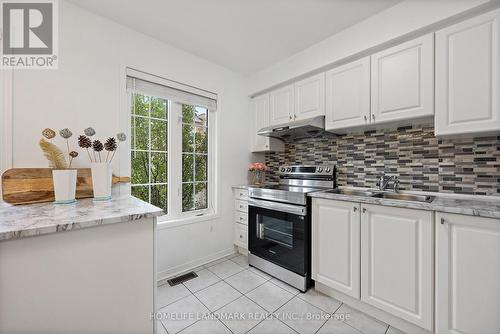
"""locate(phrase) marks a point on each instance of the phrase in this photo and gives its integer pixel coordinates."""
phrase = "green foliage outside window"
(194, 158)
(149, 143)
(149, 135)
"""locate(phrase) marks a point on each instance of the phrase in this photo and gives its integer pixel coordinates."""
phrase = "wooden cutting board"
(35, 185)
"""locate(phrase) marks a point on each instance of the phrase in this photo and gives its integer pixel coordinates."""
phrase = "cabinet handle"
(290, 117)
(241, 236)
(364, 210)
(366, 118)
(443, 221)
(373, 116)
(241, 218)
(355, 209)
(294, 117)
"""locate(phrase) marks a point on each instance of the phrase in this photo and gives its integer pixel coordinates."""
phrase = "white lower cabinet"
(335, 245)
(381, 255)
(397, 262)
(467, 275)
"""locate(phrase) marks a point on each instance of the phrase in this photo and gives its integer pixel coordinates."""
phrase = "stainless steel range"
(279, 223)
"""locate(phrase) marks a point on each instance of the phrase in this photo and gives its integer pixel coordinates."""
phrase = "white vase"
(64, 185)
(102, 174)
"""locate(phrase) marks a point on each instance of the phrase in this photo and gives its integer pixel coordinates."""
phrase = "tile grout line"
(210, 313)
(331, 316)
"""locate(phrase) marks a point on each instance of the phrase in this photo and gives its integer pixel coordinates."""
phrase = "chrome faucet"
(384, 180)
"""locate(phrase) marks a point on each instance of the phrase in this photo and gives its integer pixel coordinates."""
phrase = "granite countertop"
(466, 205)
(44, 218)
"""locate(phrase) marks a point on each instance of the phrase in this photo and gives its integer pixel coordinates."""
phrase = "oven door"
(278, 233)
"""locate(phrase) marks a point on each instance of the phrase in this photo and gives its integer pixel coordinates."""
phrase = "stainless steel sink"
(405, 197)
(352, 192)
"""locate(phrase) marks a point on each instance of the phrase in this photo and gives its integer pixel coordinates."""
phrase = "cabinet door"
(260, 109)
(310, 97)
(335, 245)
(397, 262)
(348, 95)
(282, 105)
(467, 275)
(403, 81)
(467, 76)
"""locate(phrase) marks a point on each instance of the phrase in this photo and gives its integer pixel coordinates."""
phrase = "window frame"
(175, 216)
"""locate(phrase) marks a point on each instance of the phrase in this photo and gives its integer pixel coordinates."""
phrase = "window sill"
(165, 222)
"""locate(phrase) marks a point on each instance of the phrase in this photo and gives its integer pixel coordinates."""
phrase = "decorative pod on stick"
(66, 134)
(98, 147)
(110, 146)
(72, 154)
(48, 133)
(89, 131)
(86, 143)
(121, 136)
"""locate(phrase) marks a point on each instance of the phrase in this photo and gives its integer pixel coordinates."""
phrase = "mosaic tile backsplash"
(422, 161)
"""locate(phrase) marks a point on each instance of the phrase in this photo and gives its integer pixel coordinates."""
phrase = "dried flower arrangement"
(110, 145)
(53, 153)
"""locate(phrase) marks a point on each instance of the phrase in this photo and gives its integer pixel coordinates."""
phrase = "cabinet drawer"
(241, 194)
(241, 205)
(241, 235)
(241, 217)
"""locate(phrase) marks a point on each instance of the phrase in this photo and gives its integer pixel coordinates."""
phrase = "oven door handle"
(276, 206)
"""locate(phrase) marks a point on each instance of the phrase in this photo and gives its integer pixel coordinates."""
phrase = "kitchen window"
(171, 145)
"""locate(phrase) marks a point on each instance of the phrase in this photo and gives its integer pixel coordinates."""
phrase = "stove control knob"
(320, 169)
(327, 169)
(288, 169)
(283, 169)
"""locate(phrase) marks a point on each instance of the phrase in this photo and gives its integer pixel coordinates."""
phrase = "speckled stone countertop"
(466, 205)
(44, 218)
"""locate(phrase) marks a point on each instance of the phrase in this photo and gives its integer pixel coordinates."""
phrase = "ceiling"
(243, 35)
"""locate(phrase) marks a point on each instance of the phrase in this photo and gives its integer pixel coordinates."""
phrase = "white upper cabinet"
(403, 81)
(282, 105)
(467, 275)
(397, 262)
(348, 95)
(335, 245)
(260, 118)
(467, 76)
(310, 97)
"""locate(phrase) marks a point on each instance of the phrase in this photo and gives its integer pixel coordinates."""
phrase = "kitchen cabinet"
(241, 218)
(310, 97)
(397, 262)
(402, 81)
(467, 76)
(348, 95)
(336, 245)
(260, 119)
(282, 105)
(382, 256)
(467, 274)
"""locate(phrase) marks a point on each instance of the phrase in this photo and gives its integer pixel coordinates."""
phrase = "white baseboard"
(193, 264)
(399, 323)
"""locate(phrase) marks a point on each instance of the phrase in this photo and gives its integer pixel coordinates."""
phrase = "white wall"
(88, 90)
(404, 18)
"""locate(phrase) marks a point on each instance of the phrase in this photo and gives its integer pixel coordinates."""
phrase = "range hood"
(307, 128)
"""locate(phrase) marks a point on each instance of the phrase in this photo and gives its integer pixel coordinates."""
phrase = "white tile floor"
(228, 296)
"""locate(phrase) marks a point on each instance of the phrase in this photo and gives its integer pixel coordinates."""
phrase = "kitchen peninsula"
(88, 265)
